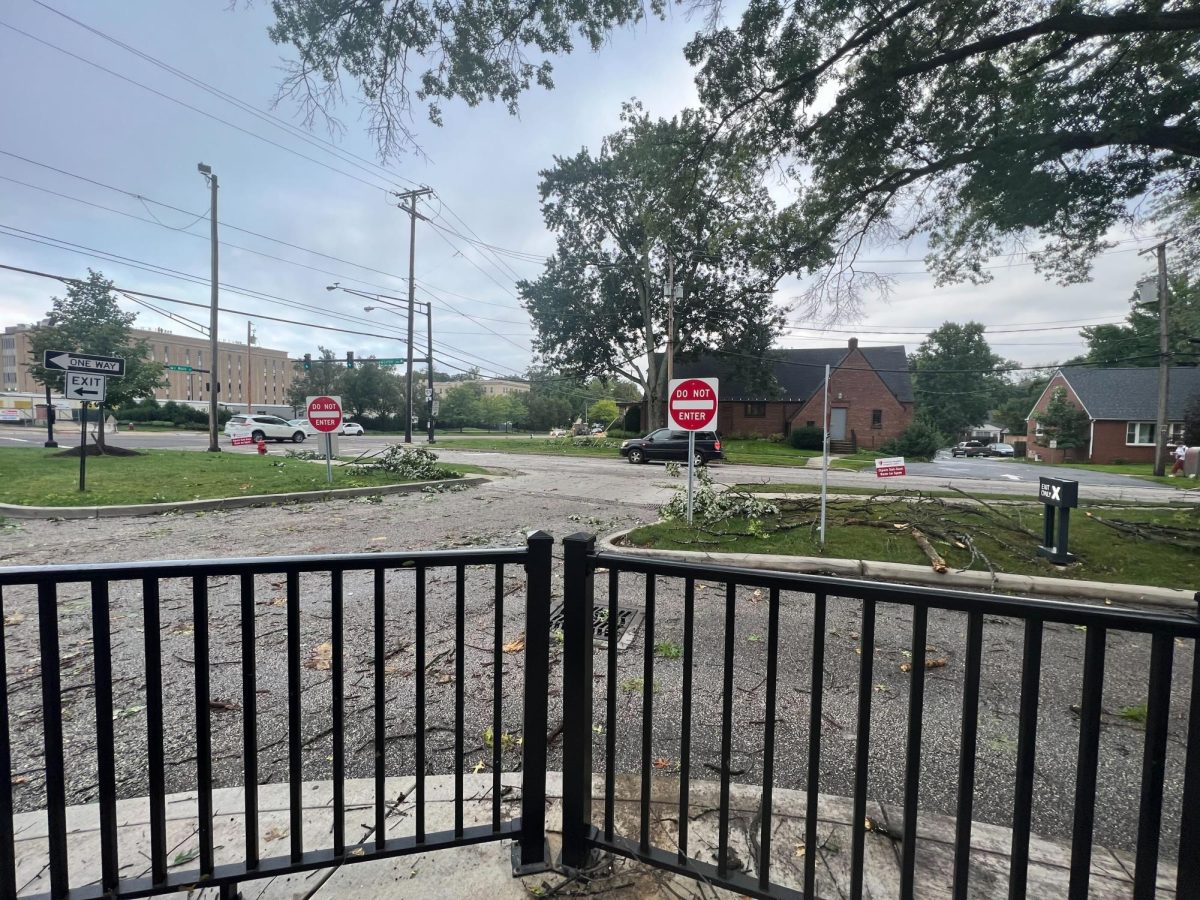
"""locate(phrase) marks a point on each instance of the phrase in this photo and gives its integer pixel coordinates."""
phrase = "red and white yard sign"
(325, 413)
(889, 467)
(692, 404)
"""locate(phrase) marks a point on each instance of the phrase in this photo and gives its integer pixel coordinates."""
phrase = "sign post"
(86, 380)
(692, 407)
(325, 415)
(1061, 495)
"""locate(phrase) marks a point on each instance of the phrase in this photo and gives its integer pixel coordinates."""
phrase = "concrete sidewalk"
(485, 871)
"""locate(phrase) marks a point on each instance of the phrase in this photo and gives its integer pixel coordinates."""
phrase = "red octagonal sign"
(692, 404)
(325, 413)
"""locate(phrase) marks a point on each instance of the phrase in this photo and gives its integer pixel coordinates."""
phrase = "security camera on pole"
(692, 407)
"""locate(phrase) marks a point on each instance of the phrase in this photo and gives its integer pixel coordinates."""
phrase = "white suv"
(264, 428)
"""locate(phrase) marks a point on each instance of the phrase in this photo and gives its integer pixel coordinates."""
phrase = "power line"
(195, 109)
(988, 328)
(288, 128)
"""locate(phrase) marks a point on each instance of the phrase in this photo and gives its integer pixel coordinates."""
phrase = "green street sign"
(180, 368)
(391, 361)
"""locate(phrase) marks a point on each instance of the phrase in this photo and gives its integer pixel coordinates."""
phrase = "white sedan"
(351, 428)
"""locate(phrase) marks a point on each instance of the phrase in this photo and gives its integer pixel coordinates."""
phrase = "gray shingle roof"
(1131, 393)
(798, 373)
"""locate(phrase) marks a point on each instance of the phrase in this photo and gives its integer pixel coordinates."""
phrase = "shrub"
(917, 441)
(776, 438)
(806, 438)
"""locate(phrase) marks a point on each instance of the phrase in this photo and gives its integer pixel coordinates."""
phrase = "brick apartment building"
(254, 374)
(870, 392)
(1122, 404)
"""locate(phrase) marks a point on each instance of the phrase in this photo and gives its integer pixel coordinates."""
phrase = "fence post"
(531, 854)
(578, 600)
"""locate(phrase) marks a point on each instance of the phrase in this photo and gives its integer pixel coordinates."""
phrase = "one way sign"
(82, 386)
(112, 366)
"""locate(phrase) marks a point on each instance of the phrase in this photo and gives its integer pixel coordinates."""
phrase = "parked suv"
(670, 444)
(969, 448)
(271, 428)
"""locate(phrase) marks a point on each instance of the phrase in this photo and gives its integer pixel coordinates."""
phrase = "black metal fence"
(585, 831)
(304, 852)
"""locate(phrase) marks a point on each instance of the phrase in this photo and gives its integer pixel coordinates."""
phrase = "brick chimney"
(853, 342)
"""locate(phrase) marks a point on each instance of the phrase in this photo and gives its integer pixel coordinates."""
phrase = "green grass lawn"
(1104, 554)
(34, 477)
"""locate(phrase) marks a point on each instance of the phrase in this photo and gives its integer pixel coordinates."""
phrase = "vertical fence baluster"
(577, 701)
(249, 719)
(155, 738)
(377, 702)
(204, 797)
(1154, 761)
(647, 714)
(8, 861)
(1187, 873)
(966, 756)
(1031, 678)
(106, 770)
(1085, 777)
(52, 730)
(295, 742)
(419, 729)
(497, 694)
(531, 852)
(764, 842)
(460, 652)
(862, 746)
(338, 718)
(610, 702)
(726, 728)
(685, 736)
(912, 754)
(816, 687)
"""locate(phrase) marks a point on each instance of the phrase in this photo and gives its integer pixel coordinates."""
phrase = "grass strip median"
(1156, 547)
(37, 477)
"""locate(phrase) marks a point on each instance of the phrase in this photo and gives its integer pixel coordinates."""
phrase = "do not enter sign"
(692, 404)
(325, 413)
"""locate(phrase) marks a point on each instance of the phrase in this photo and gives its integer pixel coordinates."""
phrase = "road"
(613, 478)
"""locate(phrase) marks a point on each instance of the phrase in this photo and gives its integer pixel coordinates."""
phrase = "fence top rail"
(912, 595)
(260, 565)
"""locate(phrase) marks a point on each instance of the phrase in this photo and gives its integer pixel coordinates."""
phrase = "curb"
(1138, 595)
(14, 511)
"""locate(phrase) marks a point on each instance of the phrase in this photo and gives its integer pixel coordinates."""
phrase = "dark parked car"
(969, 448)
(668, 444)
(1001, 450)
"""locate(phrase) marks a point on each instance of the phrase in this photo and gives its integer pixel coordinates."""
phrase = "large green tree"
(957, 378)
(1017, 399)
(979, 124)
(623, 218)
(88, 320)
(323, 377)
(371, 388)
(429, 52)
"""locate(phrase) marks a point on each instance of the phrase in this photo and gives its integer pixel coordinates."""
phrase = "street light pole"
(429, 361)
(214, 369)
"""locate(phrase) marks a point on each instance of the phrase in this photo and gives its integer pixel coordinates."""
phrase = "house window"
(1175, 433)
(755, 410)
(877, 418)
(1139, 433)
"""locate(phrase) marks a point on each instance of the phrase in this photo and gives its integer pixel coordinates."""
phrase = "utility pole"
(1164, 362)
(429, 360)
(214, 369)
(411, 197)
(249, 368)
(670, 318)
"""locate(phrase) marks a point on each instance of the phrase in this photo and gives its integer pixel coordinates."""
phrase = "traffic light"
(307, 361)
(349, 359)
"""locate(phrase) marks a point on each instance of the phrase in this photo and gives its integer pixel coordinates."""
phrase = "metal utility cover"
(628, 620)
(82, 386)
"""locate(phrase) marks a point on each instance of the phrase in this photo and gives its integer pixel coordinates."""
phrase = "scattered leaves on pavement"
(14, 618)
(516, 645)
(275, 833)
(938, 663)
(661, 763)
(321, 659)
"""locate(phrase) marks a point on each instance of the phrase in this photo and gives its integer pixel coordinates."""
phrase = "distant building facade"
(256, 375)
(489, 387)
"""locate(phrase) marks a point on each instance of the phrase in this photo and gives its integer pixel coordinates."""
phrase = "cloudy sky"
(129, 138)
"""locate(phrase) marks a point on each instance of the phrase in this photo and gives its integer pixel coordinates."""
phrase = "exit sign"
(180, 368)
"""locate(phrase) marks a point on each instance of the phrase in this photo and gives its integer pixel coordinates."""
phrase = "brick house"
(1122, 404)
(870, 392)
